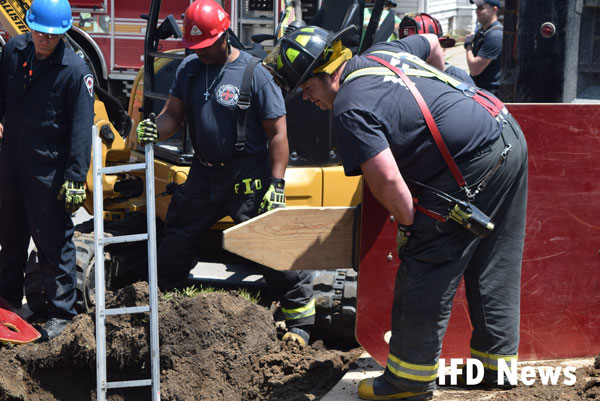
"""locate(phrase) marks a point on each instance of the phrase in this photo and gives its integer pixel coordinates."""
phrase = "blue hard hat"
(49, 16)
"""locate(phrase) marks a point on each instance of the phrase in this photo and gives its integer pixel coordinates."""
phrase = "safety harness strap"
(435, 132)
(244, 104)
(492, 104)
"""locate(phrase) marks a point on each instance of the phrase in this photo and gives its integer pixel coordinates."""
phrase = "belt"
(230, 162)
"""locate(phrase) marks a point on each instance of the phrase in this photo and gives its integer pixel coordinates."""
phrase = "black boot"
(53, 327)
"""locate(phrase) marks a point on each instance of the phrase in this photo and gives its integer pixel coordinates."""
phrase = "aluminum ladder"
(102, 385)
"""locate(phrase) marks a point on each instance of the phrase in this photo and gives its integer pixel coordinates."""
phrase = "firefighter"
(240, 181)
(484, 48)
(46, 100)
(382, 133)
(425, 23)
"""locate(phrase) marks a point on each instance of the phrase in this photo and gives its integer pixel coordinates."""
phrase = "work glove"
(73, 192)
(147, 131)
(404, 234)
(274, 197)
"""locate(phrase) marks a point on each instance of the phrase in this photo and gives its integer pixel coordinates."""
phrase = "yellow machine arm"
(12, 16)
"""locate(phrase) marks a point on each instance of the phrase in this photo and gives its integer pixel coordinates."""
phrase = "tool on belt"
(463, 212)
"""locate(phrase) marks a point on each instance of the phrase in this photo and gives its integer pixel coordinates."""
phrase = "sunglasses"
(50, 36)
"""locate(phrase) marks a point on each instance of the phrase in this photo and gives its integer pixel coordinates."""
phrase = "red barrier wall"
(560, 291)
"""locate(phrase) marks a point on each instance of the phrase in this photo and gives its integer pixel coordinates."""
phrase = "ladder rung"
(122, 169)
(124, 238)
(126, 311)
(129, 383)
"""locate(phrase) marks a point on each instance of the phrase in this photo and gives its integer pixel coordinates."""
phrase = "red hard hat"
(424, 23)
(204, 22)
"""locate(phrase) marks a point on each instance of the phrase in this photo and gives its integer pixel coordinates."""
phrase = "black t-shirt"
(459, 73)
(212, 118)
(372, 113)
(488, 44)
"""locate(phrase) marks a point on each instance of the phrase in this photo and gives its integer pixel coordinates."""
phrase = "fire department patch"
(89, 83)
(227, 95)
(195, 31)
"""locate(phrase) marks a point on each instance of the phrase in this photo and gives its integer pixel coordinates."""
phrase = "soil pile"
(215, 346)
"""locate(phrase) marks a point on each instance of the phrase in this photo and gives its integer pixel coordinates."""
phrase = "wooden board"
(13, 329)
(296, 238)
(560, 283)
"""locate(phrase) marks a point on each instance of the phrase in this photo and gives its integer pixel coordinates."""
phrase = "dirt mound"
(215, 346)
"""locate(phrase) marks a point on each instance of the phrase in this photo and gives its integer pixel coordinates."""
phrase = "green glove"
(147, 131)
(274, 197)
(73, 192)
(404, 234)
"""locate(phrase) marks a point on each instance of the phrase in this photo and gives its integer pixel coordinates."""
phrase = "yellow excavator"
(314, 178)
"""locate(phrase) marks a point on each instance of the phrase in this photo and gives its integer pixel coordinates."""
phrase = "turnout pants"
(439, 254)
(209, 194)
(29, 208)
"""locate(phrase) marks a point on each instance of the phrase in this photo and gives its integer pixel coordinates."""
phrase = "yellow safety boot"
(378, 388)
(298, 335)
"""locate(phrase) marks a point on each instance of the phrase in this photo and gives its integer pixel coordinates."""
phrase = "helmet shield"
(300, 54)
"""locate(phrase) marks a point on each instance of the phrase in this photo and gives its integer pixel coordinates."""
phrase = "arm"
(436, 54)
(276, 130)
(170, 117)
(79, 105)
(476, 64)
(385, 181)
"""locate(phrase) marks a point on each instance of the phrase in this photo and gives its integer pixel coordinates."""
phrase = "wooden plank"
(296, 238)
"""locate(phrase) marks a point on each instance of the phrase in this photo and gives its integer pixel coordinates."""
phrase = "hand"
(73, 192)
(468, 42)
(274, 197)
(404, 234)
(147, 131)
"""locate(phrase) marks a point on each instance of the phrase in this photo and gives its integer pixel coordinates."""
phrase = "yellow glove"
(147, 130)
(404, 234)
(274, 197)
(73, 192)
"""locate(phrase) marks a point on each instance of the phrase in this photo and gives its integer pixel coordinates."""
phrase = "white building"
(456, 16)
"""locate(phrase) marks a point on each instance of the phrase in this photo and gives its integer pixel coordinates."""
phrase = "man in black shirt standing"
(485, 47)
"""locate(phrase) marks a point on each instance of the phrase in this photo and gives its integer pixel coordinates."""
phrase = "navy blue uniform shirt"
(213, 125)
(48, 116)
(372, 113)
(488, 44)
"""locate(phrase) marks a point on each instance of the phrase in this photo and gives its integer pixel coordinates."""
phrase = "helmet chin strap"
(229, 50)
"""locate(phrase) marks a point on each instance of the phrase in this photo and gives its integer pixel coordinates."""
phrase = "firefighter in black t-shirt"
(381, 133)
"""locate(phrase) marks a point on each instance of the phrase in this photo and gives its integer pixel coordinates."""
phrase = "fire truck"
(112, 32)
